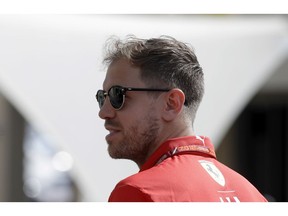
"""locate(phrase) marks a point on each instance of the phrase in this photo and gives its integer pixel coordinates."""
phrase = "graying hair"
(164, 62)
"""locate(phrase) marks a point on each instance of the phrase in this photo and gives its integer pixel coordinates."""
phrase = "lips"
(111, 136)
(112, 133)
(113, 127)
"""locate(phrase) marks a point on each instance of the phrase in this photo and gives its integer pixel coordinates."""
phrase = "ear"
(174, 102)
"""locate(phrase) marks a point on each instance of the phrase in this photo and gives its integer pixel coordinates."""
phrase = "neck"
(167, 134)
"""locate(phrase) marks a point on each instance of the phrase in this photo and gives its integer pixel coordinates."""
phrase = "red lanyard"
(187, 149)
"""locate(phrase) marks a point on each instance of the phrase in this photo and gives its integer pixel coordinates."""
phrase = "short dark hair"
(164, 62)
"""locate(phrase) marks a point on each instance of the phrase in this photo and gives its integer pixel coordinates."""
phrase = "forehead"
(124, 74)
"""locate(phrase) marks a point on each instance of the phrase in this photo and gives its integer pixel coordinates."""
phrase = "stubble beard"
(137, 141)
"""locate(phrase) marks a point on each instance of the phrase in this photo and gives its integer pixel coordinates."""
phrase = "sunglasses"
(117, 94)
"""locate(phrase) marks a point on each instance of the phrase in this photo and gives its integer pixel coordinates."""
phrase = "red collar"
(189, 144)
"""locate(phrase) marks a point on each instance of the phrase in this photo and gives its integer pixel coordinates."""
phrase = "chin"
(113, 152)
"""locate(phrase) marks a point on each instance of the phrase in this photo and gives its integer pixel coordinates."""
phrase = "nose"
(107, 111)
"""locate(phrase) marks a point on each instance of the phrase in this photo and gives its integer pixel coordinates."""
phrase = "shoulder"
(148, 185)
(129, 190)
(138, 187)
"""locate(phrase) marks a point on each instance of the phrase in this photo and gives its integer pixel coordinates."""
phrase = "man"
(152, 91)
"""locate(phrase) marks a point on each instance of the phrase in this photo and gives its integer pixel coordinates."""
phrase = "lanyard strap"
(187, 149)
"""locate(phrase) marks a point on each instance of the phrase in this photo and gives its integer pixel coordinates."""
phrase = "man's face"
(133, 129)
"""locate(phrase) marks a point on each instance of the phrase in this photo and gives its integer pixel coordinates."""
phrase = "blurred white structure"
(50, 70)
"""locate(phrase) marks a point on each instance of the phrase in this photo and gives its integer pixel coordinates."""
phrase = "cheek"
(131, 117)
(133, 120)
(136, 111)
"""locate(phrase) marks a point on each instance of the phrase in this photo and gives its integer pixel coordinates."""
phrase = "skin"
(144, 122)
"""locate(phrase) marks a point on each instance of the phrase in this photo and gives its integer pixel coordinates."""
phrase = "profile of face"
(135, 127)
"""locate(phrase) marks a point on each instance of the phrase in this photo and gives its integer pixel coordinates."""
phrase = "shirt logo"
(201, 139)
(213, 171)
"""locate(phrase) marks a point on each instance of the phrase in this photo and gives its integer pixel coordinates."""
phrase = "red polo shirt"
(185, 170)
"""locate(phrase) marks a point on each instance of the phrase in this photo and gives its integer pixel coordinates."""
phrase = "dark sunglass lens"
(116, 96)
(100, 96)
